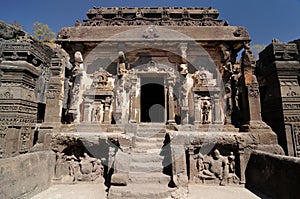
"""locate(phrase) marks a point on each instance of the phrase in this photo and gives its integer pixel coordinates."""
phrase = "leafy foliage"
(43, 32)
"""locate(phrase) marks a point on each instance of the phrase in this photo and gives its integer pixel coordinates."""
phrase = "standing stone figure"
(122, 67)
(75, 84)
(231, 163)
(74, 168)
(228, 103)
(206, 108)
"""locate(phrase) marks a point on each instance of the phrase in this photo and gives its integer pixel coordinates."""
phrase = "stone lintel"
(19, 66)
(166, 33)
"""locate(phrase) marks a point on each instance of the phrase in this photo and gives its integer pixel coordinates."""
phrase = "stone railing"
(276, 176)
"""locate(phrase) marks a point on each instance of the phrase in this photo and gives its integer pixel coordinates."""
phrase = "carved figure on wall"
(98, 113)
(61, 167)
(203, 77)
(86, 166)
(228, 103)
(248, 63)
(226, 59)
(236, 83)
(75, 84)
(122, 66)
(203, 166)
(205, 109)
(41, 85)
(72, 169)
(231, 163)
(216, 168)
(102, 79)
(183, 69)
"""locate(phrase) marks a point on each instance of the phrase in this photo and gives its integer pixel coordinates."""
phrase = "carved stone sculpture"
(122, 66)
(75, 84)
(206, 107)
(69, 168)
(216, 168)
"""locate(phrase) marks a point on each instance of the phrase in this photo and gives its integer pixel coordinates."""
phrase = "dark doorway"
(152, 100)
(41, 112)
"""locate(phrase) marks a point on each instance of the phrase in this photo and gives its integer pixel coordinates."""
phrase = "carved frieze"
(2, 140)
(292, 118)
(150, 33)
(283, 51)
(291, 106)
(25, 139)
(296, 135)
(240, 32)
(7, 95)
(23, 109)
(17, 121)
(253, 92)
(35, 52)
(53, 94)
(203, 78)
(152, 16)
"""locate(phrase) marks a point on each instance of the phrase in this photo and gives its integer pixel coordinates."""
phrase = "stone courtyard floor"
(97, 191)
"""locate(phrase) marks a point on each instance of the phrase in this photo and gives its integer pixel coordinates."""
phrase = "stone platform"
(96, 191)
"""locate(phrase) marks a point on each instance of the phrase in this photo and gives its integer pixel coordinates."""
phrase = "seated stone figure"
(216, 168)
(84, 168)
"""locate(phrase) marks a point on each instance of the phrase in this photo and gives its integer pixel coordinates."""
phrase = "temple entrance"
(152, 99)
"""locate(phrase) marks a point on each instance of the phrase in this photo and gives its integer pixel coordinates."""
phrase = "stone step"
(144, 157)
(144, 151)
(152, 125)
(151, 134)
(155, 177)
(148, 145)
(140, 191)
(145, 167)
(149, 139)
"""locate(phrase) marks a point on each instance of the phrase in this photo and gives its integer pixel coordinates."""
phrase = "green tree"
(43, 32)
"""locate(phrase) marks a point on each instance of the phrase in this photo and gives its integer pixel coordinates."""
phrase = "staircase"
(145, 176)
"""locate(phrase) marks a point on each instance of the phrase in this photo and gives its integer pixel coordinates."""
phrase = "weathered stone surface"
(134, 95)
(119, 179)
(274, 175)
(278, 73)
(26, 175)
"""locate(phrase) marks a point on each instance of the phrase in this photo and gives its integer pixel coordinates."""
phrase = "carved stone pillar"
(197, 120)
(118, 101)
(217, 110)
(171, 119)
(184, 95)
(242, 166)
(133, 101)
(76, 94)
(107, 115)
(193, 168)
(87, 114)
(254, 100)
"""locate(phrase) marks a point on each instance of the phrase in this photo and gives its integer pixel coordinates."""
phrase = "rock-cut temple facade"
(131, 96)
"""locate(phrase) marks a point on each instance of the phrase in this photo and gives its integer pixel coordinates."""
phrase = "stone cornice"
(139, 33)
